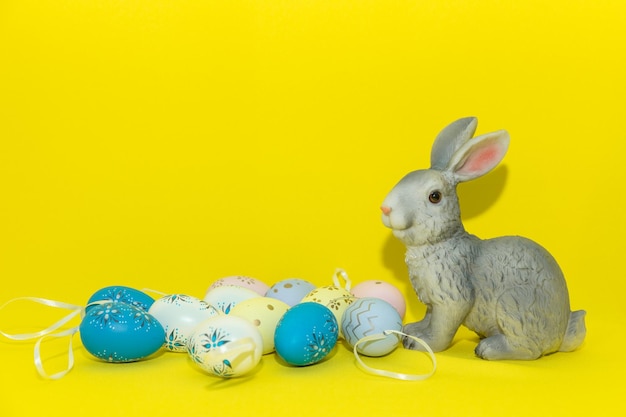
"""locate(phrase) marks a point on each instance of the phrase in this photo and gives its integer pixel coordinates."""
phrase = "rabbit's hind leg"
(527, 328)
(499, 347)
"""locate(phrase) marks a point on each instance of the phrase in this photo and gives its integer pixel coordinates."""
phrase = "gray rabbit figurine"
(509, 290)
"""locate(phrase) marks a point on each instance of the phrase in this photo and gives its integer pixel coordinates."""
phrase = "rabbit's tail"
(575, 333)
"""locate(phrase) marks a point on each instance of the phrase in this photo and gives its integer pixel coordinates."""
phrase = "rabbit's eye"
(434, 197)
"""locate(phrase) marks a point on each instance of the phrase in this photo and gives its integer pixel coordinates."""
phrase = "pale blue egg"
(118, 332)
(369, 316)
(305, 334)
(290, 291)
(123, 294)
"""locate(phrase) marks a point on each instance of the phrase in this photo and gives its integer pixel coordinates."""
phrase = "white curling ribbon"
(157, 292)
(390, 374)
(239, 354)
(236, 350)
(344, 275)
(48, 332)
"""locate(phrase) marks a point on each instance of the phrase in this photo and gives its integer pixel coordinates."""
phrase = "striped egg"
(369, 316)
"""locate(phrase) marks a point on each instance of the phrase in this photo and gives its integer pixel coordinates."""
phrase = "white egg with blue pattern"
(179, 314)
(228, 296)
(226, 346)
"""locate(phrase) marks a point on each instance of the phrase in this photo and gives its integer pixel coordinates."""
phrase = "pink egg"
(382, 290)
(242, 281)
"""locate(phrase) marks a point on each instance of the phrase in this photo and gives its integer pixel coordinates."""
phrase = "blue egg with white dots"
(122, 294)
(306, 334)
(290, 291)
(119, 332)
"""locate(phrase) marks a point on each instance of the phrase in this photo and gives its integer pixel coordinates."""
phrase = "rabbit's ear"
(479, 155)
(449, 140)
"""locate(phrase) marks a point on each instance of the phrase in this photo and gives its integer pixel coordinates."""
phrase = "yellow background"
(168, 143)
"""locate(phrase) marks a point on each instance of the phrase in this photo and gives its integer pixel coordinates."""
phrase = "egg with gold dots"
(336, 299)
(264, 313)
(290, 291)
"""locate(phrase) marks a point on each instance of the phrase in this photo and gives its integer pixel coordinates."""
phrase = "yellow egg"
(337, 299)
(264, 313)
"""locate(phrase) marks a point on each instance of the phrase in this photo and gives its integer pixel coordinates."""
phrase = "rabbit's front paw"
(418, 329)
(409, 343)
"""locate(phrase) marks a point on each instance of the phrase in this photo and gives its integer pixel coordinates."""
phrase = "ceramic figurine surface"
(509, 290)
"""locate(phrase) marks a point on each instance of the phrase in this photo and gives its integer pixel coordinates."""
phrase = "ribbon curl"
(48, 332)
(390, 374)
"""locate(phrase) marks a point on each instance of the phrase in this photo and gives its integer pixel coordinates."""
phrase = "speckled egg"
(290, 291)
(369, 316)
(242, 281)
(226, 346)
(228, 296)
(179, 314)
(384, 290)
(337, 299)
(123, 294)
(118, 332)
(306, 334)
(264, 313)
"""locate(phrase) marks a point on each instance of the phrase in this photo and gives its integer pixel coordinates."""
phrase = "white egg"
(179, 314)
(227, 296)
(226, 346)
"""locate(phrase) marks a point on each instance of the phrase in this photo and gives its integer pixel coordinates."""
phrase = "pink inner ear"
(481, 160)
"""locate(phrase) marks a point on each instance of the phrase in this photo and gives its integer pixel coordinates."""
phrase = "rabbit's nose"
(386, 210)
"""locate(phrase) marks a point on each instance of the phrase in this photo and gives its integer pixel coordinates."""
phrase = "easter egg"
(226, 346)
(242, 281)
(118, 332)
(337, 299)
(306, 334)
(228, 296)
(179, 314)
(264, 313)
(369, 316)
(381, 289)
(123, 294)
(290, 291)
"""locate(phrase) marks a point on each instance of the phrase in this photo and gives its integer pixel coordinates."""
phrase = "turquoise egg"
(123, 294)
(305, 334)
(118, 332)
(369, 316)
